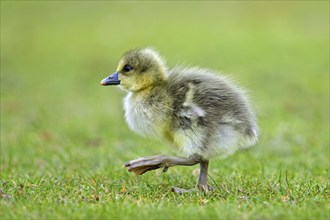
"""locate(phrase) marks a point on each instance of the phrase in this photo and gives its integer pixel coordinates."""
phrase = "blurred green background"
(60, 129)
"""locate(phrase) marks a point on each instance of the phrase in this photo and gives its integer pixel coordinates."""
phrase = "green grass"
(64, 139)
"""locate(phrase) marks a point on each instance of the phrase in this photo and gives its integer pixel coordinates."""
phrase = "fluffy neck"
(149, 90)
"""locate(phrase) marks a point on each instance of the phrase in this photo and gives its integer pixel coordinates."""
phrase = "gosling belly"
(224, 142)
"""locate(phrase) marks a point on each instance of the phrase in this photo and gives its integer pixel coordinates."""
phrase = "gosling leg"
(202, 180)
(141, 165)
(144, 164)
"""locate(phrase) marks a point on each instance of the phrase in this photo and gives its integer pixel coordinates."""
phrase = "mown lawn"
(64, 139)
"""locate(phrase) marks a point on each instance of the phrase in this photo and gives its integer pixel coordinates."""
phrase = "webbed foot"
(180, 190)
(199, 188)
(204, 188)
(144, 164)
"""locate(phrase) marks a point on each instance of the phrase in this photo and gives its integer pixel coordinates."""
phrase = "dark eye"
(127, 68)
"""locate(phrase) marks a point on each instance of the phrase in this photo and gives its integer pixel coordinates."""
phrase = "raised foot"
(144, 164)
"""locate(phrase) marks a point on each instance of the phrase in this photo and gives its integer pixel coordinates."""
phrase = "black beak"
(111, 80)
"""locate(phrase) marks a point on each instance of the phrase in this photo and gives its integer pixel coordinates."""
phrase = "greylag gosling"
(201, 112)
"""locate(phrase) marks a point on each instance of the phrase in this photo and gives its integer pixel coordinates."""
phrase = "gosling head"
(138, 70)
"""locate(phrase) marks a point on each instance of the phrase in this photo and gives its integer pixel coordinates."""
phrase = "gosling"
(199, 111)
